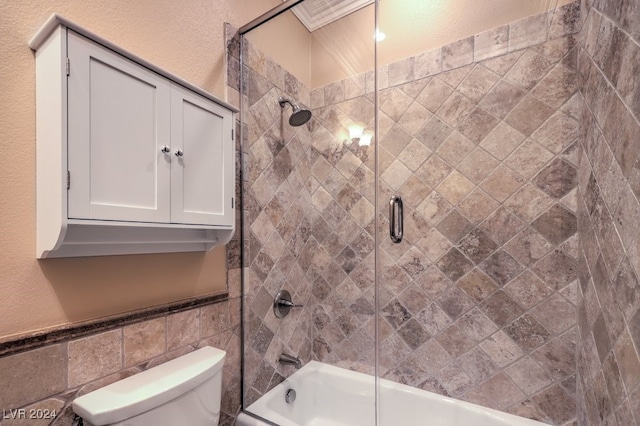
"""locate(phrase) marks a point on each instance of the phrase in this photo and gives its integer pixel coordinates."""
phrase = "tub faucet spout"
(287, 359)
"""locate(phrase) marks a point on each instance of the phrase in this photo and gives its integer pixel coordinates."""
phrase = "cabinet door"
(119, 121)
(202, 178)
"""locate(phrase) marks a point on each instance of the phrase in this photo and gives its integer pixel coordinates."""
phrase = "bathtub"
(333, 396)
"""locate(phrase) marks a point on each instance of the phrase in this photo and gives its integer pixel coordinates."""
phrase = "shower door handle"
(395, 219)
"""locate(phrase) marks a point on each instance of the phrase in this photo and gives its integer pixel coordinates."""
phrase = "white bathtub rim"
(260, 410)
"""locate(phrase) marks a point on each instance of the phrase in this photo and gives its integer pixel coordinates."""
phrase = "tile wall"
(52, 376)
(608, 212)
(478, 302)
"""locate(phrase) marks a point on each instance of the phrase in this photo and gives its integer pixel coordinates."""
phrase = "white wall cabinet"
(130, 159)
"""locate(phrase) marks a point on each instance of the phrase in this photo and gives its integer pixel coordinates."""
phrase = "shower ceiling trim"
(317, 13)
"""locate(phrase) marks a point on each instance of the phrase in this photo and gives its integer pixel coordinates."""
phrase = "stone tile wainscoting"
(608, 216)
(51, 376)
(479, 137)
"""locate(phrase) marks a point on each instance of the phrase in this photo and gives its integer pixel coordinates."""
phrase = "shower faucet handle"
(282, 304)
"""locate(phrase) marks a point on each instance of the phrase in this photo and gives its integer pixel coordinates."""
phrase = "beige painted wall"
(287, 42)
(186, 41)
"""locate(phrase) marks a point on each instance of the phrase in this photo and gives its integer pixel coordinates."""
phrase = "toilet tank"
(184, 391)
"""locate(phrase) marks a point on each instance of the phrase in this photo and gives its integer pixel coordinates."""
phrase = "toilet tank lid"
(149, 389)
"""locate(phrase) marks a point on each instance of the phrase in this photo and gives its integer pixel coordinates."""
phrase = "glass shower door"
(309, 229)
(476, 136)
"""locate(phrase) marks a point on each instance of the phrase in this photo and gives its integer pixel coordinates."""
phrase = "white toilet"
(183, 391)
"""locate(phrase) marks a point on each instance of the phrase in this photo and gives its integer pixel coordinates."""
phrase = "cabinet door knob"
(179, 153)
(165, 149)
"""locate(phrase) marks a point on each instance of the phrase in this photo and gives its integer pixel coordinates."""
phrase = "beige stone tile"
(433, 171)
(557, 404)
(354, 86)
(457, 54)
(396, 174)
(456, 109)
(502, 141)
(394, 103)
(491, 43)
(455, 148)
(503, 63)
(348, 164)
(477, 165)
(168, 356)
(502, 98)
(93, 357)
(455, 187)
(557, 133)
(528, 290)
(502, 183)
(528, 376)
(317, 98)
(262, 227)
(414, 155)
(556, 314)
(530, 69)
(528, 203)
(234, 282)
(414, 118)
(334, 93)
(214, 319)
(433, 244)
(402, 71)
(528, 32)
(565, 20)
(528, 115)
(428, 63)
(29, 376)
(529, 158)
(477, 206)
(107, 380)
(434, 94)
(434, 208)
(413, 192)
(477, 285)
(501, 349)
(557, 87)
(183, 328)
(478, 124)
(144, 341)
(502, 225)
(478, 83)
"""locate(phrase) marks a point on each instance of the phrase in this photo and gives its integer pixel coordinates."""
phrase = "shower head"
(299, 116)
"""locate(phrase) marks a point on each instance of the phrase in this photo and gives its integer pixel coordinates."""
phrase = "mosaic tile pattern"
(608, 212)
